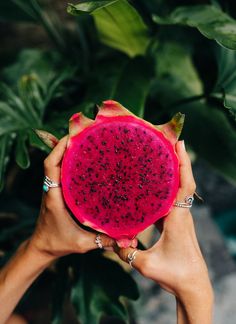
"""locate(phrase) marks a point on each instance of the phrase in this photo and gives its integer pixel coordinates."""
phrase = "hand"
(56, 233)
(175, 262)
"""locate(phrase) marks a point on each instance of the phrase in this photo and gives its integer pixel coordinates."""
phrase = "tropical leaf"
(127, 82)
(12, 10)
(133, 84)
(207, 129)
(118, 23)
(210, 20)
(96, 293)
(225, 87)
(5, 147)
(24, 107)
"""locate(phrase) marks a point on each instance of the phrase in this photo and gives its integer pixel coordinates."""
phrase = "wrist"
(36, 249)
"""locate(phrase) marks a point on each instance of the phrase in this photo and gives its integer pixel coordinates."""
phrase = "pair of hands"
(175, 262)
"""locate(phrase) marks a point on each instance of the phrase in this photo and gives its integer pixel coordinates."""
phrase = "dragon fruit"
(120, 173)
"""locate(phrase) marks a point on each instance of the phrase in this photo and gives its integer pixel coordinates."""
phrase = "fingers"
(53, 161)
(87, 239)
(125, 243)
(187, 183)
(139, 261)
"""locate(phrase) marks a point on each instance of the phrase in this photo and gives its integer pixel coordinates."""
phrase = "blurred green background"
(155, 57)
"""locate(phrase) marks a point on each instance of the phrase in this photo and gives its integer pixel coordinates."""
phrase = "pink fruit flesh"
(119, 175)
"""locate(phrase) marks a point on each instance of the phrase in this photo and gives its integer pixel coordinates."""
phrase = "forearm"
(18, 274)
(181, 314)
(196, 307)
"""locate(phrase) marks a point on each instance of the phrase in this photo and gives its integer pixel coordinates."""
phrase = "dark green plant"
(156, 58)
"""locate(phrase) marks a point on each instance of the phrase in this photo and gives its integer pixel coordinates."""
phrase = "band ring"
(131, 257)
(188, 202)
(98, 241)
(48, 183)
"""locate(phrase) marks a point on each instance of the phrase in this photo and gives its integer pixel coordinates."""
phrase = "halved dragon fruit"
(120, 173)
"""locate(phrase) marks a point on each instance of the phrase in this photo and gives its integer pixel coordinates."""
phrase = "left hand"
(56, 233)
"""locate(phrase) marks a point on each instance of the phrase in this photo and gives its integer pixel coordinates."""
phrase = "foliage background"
(156, 57)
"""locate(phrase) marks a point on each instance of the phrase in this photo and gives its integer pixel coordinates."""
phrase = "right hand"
(175, 262)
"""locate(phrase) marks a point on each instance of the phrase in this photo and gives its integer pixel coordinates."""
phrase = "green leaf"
(87, 6)
(170, 61)
(118, 23)
(32, 84)
(207, 129)
(211, 136)
(225, 88)
(21, 151)
(133, 85)
(32, 62)
(210, 20)
(60, 290)
(124, 80)
(97, 291)
(12, 10)
(5, 147)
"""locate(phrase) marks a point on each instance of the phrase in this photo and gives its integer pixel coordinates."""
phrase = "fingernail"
(183, 145)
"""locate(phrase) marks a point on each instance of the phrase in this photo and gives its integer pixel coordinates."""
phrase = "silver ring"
(98, 241)
(48, 183)
(131, 257)
(188, 202)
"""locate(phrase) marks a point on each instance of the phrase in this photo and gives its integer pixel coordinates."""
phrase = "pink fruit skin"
(119, 175)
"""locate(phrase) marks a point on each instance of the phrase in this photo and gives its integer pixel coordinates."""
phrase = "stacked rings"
(188, 202)
(48, 183)
(98, 241)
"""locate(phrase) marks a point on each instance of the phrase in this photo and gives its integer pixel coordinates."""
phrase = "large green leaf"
(133, 84)
(124, 80)
(211, 136)
(210, 20)
(23, 102)
(207, 129)
(99, 284)
(170, 61)
(225, 88)
(118, 23)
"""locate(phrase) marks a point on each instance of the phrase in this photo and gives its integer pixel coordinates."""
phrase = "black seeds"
(140, 186)
(104, 143)
(126, 130)
(119, 164)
